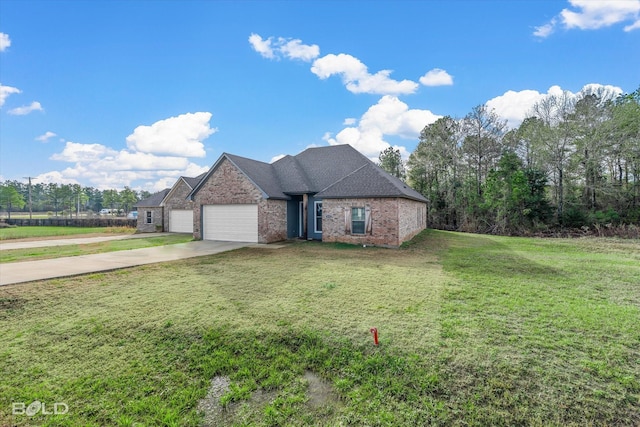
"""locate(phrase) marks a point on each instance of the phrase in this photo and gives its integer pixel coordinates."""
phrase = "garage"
(180, 221)
(233, 223)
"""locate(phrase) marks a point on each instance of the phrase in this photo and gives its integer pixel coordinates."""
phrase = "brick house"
(333, 194)
(151, 213)
(168, 210)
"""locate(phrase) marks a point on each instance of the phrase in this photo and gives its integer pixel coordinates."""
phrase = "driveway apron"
(19, 272)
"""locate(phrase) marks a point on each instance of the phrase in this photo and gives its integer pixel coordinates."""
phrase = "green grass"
(49, 252)
(10, 233)
(474, 330)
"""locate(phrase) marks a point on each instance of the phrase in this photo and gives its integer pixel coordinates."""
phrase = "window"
(357, 220)
(149, 217)
(317, 217)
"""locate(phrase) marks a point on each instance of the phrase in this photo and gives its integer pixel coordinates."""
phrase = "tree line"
(65, 199)
(573, 162)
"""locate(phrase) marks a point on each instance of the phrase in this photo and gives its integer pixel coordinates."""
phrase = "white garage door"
(180, 221)
(234, 223)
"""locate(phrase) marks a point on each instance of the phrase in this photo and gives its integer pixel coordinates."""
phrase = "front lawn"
(474, 330)
(39, 232)
(49, 252)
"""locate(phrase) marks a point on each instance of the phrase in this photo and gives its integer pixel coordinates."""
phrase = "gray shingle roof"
(192, 182)
(154, 200)
(332, 172)
(370, 181)
(291, 176)
(322, 166)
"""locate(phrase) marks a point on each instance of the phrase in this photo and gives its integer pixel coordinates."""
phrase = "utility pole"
(30, 211)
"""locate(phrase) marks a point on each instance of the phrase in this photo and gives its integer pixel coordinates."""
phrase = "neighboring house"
(151, 212)
(333, 194)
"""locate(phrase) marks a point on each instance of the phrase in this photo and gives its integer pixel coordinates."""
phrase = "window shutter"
(347, 221)
(367, 220)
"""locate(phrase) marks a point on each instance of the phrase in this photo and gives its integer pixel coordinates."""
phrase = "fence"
(74, 222)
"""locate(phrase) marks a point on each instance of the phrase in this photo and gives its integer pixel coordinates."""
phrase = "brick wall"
(177, 200)
(227, 185)
(272, 221)
(412, 216)
(392, 221)
(156, 219)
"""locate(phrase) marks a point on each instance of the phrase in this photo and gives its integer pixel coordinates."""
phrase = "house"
(333, 194)
(169, 209)
(151, 212)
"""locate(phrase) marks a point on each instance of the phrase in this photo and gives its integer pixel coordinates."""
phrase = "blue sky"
(139, 92)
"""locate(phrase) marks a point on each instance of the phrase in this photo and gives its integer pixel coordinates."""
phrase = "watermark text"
(36, 407)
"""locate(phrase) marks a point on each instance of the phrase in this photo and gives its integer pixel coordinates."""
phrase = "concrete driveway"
(19, 272)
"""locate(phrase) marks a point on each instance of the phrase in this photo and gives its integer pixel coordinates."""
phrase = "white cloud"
(289, 48)
(390, 117)
(544, 31)
(355, 75)
(276, 158)
(594, 14)
(124, 169)
(516, 106)
(294, 49)
(349, 121)
(357, 78)
(127, 161)
(46, 136)
(54, 177)
(181, 135)
(5, 91)
(634, 26)
(436, 77)
(76, 152)
(5, 42)
(104, 167)
(263, 47)
(22, 111)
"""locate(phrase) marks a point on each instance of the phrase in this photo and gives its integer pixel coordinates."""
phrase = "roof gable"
(188, 181)
(260, 174)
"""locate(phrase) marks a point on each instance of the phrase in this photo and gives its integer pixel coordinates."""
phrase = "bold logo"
(20, 408)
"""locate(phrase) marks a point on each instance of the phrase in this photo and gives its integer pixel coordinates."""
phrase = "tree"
(434, 169)
(587, 119)
(483, 131)
(128, 198)
(55, 195)
(10, 198)
(111, 198)
(515, 195)
(79, 197)
(555, 140)
(623, 130)
(391, 161)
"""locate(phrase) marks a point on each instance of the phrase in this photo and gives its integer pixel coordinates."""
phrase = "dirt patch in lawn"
(320, 392)
(320, 396)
